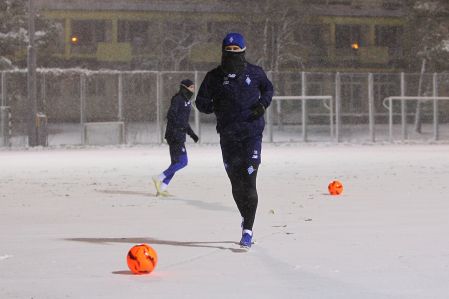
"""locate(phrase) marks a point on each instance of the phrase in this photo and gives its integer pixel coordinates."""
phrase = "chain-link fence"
(110, 107)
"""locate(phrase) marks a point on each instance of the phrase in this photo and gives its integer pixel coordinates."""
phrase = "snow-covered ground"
(69, 216)
(147, 133)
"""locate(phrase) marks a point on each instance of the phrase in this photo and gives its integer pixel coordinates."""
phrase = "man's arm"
(266, 90)
(172, 112)
(191, 133)
(266, 95)
(204, 102)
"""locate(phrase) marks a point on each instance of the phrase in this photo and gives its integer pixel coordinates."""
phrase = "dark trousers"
(241, 160)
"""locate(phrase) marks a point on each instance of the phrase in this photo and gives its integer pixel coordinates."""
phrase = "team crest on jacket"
(251, 170)
(248, 80)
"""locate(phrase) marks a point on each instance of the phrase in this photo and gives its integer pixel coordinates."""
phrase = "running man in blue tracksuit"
(238, 93)
(175, 134)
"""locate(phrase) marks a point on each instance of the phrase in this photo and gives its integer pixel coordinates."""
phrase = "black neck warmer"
(233, 62)
(186, 93)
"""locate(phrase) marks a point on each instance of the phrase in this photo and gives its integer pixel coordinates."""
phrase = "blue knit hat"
(234, 39)
(187, 83)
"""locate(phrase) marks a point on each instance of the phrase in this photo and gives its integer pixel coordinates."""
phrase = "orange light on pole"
(74, 39)
(355, 46)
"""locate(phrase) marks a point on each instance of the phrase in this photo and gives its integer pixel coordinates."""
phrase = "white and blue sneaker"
(246, 240)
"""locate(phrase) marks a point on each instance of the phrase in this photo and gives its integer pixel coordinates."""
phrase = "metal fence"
(107, 107)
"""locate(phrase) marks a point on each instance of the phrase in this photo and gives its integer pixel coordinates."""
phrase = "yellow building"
(176, 35)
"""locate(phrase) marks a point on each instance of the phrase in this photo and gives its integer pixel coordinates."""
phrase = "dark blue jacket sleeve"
(189, 130)
(204, 101)
(175, 115)
(173, 111)
(266, 90)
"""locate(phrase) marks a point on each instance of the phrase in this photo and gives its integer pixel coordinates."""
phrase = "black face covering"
(186, 93)
(233, 62)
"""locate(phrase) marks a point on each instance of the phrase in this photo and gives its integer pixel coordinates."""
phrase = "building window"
(132, 31)
(87, 33)
(59, 44)
(315, 35)
(390, 36)
(348, 36)
(145, 37)
(183, 34)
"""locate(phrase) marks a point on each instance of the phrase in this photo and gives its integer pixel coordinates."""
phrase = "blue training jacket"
(231, 98)
(178, 119)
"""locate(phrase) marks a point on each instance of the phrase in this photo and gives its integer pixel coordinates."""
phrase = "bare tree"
(14, 32)
(431, 38)
(281, 20)
(177, 45)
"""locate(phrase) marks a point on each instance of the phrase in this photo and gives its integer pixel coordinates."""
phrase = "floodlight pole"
(31, 82)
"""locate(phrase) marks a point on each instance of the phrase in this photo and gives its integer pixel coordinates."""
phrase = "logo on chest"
(226, 78)
(248, 80)
(232, 76)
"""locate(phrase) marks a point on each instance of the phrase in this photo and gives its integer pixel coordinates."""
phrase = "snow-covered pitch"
(69, 216)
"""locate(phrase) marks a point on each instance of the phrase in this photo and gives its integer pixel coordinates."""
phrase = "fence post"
(371, 107)
(5, 116)
(2, 125)
(44, 94)
(403, 108)
(197, 112)
(390, 119)
(123, 131)
(31, 77)
(83, 106)
(337, 106)
(3, 84)
(331, 117)
(279, 113)
(304, 106)
(436, 124)
(120, 97)
(5, 125)
(41, 116)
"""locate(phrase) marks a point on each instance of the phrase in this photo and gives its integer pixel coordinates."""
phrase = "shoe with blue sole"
(246, 240)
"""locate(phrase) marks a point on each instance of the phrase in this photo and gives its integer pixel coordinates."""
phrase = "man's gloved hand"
(256, 111)
(194, 137)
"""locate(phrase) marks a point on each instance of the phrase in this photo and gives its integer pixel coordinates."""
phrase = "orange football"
(141, 259)
(335, 188)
